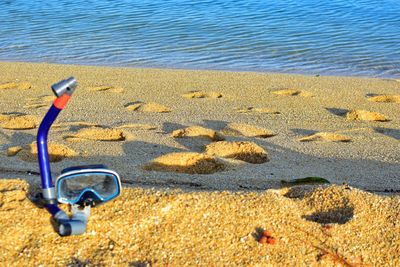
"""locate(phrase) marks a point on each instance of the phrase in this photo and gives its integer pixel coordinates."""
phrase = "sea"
(313, 37)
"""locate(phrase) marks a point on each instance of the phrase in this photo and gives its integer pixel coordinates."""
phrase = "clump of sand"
(245, 151)
(98, 134)
(364, 115)
(325, 136)
(137, 126)
(148, 107)
(198, 131)
(292, 92)
(12, 151)
(57, 152)
(185, 162)
(385, 98)
(249, 110)
(12, 193)
(80, 124)
(18, 122)
(16, 85)
(202, 94)
(240, 129)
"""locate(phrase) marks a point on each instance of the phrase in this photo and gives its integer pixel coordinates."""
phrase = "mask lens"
(105, 185)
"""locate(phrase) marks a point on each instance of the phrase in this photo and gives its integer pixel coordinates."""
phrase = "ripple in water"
(335, 37)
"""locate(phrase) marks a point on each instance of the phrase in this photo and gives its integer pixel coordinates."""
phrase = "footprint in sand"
(35, 105)
(385, 98)
(202, 94)
(198, 132)
(43, 98)
(244, 151)
(325, 136)
(107, 88)
(18, 122)
(57, 152)
(250, 110)
(185, 162)
(16, 85)
(98, 134)
(364, 115)
(239, 129)
(147, 107)
(39, 102)
(292, 92)
(329, 205)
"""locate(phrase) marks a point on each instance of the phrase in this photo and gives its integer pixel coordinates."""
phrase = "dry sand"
(352, 126)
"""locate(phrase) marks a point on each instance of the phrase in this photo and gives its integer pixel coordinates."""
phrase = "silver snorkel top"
(66, 86)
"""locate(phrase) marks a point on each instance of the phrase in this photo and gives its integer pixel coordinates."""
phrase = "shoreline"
(396, 78)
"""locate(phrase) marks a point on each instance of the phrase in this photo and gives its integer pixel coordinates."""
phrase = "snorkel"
(90, 176)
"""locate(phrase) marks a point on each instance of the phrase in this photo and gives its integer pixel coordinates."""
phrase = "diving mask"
(90, 185)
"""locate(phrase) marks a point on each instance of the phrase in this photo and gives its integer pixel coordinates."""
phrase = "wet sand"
(202, 155)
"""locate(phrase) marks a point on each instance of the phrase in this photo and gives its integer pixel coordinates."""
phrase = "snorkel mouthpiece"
(75, 225)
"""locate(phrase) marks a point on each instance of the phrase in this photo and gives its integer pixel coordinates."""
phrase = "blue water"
(329, 37)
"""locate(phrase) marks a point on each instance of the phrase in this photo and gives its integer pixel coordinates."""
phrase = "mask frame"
(72, 172)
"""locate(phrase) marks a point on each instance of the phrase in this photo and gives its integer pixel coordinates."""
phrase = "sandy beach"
(202, 156)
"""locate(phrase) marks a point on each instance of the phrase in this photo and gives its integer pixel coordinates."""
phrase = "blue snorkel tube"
(65, 225)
